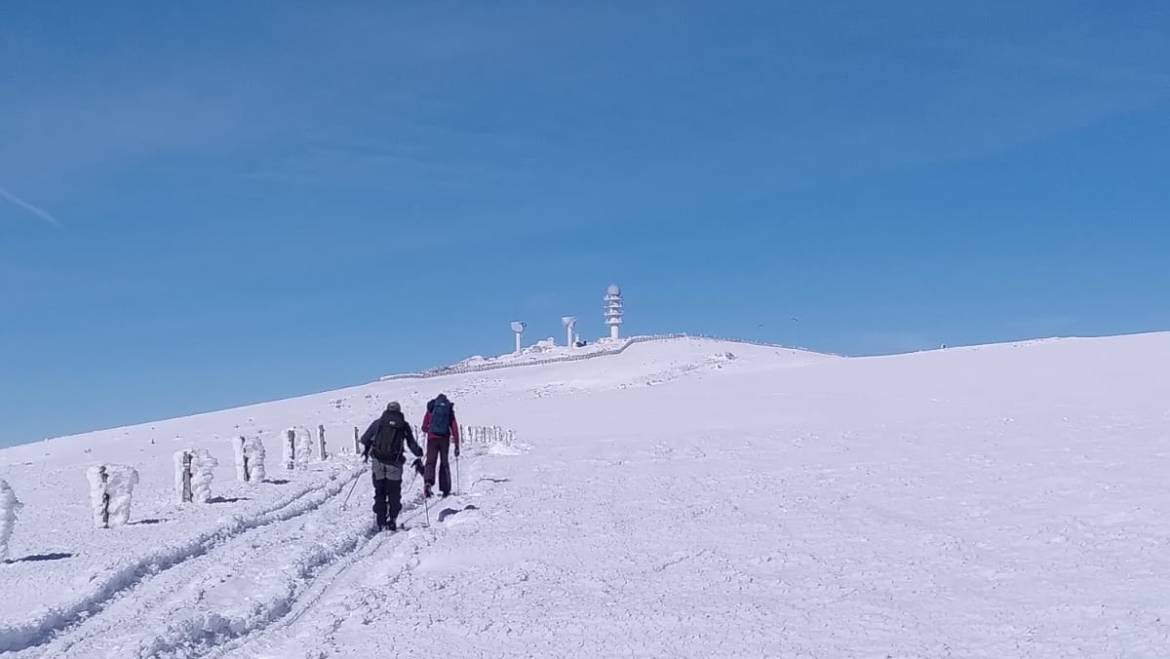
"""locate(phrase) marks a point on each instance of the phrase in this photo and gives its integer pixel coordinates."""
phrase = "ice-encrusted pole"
(357, 445)
(243, 469)
(111, 489)
(183, 460)
(298, 448)
(249, 459)
(322, 455)
(290, 450)
(202, 474)
(9, 507)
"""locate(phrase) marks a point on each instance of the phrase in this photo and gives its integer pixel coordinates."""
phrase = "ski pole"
(458, 481)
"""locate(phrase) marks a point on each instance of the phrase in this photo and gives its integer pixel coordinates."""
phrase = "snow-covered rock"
(9, 507)
(249, 459)
(111, 489)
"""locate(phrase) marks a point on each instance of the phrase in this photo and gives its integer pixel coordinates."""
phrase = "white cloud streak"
(31, 208)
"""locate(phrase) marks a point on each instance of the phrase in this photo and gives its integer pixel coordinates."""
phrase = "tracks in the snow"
(49, 630)
(247, 586)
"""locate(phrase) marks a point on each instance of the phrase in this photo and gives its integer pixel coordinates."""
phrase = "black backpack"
(386, 441)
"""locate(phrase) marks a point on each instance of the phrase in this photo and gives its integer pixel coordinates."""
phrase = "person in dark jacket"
(383, 441)
(442, 430)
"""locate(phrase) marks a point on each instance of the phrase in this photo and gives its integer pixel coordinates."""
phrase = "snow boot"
(391, 526)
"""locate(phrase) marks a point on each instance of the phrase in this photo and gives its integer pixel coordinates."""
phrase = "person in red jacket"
(442, 431)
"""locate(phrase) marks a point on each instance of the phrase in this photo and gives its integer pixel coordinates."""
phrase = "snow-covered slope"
(684, 498)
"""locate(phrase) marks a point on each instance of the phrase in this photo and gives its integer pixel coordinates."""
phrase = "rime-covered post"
(105, 478)
(245, 471)
(357, 444)
(9, 507)
(111, 488)
(184, 464)
(298, 448)
(290, 450)
(249, 459)
(321, 454)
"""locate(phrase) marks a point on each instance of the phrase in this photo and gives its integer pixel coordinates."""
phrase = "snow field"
(672, 500)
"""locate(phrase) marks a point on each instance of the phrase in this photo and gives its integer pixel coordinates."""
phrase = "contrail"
(35, 210)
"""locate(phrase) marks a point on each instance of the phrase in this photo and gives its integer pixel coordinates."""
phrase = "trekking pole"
(427, 506)
(458, 481)
(351, 489)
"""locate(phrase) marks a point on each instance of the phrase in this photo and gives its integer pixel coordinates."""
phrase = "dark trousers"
(437, 449)
(387, 499)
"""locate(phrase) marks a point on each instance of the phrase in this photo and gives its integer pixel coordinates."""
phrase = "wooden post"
(321, 443)
(357, 444)
(292, 449)
(244, 455)
(105, 497)
(188, 495)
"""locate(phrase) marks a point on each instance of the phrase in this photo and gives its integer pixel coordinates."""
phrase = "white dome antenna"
(614, 311)
(518, 327)
(570, 323)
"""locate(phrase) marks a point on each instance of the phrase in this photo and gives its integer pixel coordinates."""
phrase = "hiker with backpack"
(383, 441)
(442, 431)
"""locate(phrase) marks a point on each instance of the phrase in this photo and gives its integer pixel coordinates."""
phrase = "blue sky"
(208, 204)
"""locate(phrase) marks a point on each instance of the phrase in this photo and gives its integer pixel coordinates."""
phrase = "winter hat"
(393, 407)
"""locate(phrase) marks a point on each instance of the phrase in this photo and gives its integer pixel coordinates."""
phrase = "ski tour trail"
(662, 497)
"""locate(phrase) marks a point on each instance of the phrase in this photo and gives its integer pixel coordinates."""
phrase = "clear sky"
(213, 203)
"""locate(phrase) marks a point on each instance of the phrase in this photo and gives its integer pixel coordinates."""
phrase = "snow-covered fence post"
(322, 455)
(9, 507)
(183, 461)
(249, 459)
(357, 445)
(111, 489)
(290, 450)
(105, 497)
(202, 474)
(298, 448)
(243, 469)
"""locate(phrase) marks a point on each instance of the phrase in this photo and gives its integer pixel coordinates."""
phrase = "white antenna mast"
(570, 323)
(518, 326)
(614, 311)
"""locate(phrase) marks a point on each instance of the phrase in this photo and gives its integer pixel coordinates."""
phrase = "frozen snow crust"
(683, 497)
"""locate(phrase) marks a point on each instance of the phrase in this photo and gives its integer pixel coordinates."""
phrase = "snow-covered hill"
(688, 497)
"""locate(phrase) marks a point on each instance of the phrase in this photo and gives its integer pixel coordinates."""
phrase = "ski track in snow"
(154, 564)
(162, 565)
(263, 576)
